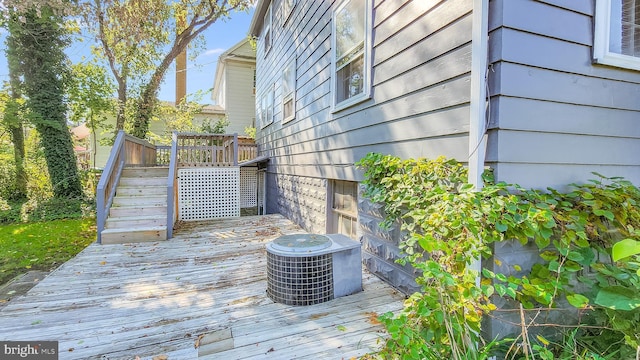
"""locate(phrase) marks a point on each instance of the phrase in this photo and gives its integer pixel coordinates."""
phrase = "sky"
(200, 71)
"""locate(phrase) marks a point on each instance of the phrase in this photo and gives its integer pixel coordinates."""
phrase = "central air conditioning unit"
(307, 269)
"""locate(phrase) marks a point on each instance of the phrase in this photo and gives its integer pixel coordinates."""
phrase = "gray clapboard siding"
(540, 176)
(550, 53)
(437, 20)
(556, 116)
(583, 6)
(435, 112)
(544, 84)
(550, 21)
(569, 149)
(394, 19)
(548, 116)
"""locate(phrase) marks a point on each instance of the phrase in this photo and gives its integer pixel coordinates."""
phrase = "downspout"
(478, 102)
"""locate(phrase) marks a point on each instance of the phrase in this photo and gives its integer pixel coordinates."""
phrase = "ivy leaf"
(501, 227)
(625, 248)
(618, 298)
(577, 300)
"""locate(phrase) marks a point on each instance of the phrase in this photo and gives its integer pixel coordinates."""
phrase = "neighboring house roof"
(232, 53)
(213, 109)
(81, 131)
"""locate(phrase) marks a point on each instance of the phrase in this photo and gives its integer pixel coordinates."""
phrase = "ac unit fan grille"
(300, 280)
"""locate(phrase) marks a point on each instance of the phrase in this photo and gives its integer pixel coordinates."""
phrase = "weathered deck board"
(147, 299)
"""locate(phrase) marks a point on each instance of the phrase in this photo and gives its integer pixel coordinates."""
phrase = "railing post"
(235, 149)
(173, 164)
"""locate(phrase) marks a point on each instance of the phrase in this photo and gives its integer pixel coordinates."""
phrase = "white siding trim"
(601, 40)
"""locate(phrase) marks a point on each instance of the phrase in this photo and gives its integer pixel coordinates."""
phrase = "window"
(265, 108)
(289, 92)
(351, 55)
(617, 33)
(344, 208)
(267, 30)
(287, 9)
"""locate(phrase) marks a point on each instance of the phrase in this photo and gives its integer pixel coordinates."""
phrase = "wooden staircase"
(139, 209)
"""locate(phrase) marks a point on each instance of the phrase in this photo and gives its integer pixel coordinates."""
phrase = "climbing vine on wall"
(449, 226)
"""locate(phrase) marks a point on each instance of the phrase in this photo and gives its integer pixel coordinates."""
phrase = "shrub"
(449, 225)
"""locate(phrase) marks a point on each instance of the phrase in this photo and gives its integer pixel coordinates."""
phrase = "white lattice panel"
(248, 187)
(208, 193)
(261, 194)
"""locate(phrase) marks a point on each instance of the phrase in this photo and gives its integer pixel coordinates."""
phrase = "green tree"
(140, 40)
(40, 39)
(90, 97)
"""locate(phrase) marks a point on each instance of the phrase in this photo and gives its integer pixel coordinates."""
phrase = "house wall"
(555, 116)
(419, 105)
(240, 100)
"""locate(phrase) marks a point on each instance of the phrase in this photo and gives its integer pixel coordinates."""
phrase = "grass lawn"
(42, 245)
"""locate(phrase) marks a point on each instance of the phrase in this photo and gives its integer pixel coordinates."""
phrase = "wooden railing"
(126, 151)
(163, 155)
(204, 150)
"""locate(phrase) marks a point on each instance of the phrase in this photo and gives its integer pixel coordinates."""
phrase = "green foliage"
(42, 245)
(250, 131)
(219, 127)
(449, 225)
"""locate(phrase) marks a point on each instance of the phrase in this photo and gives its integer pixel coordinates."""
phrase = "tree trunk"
(41, 41)
(148, 100)
(13, 120)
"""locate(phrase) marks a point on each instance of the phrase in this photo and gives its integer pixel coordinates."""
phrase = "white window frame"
(265, 112)
(366, 93)
(291, 95)
(601, 40)
(287, 7)
(267, 37)
(337, 216)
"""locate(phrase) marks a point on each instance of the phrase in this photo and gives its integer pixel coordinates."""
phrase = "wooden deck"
(200, 295)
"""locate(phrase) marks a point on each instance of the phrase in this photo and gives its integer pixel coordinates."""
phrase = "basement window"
(617, 33)
(344, 208)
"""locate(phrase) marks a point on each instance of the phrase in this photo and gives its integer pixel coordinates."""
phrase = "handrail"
(171, 186)
(108, 182)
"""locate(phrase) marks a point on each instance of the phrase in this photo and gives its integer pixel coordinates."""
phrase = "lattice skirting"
(248, 187)
(208, 193)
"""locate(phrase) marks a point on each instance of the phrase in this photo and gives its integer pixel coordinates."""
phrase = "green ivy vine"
(449, 225)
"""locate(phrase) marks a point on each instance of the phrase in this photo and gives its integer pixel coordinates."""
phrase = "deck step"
(146, 172)
(141, 182)
(142, 190)
(142, 201)
(136, 221)
(123, 211)
(133, 235)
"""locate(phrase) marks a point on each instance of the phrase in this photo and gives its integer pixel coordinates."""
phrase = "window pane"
(287, 108)
(287, 80)
(625, 27)
(349, 79)
(350, 24)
